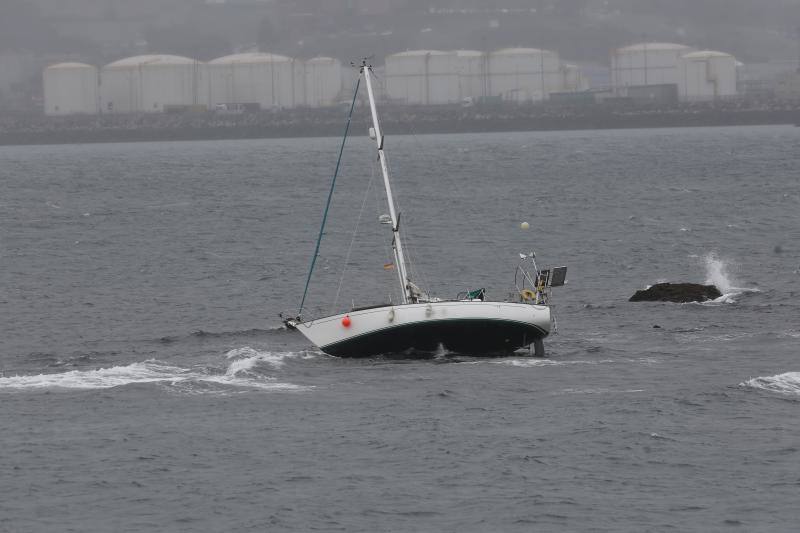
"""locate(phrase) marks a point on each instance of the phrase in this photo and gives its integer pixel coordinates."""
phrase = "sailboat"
(469, 324)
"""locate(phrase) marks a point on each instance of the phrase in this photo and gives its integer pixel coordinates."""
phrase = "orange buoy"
(346, 321)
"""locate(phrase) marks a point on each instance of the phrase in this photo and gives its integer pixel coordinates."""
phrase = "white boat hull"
(469, 327)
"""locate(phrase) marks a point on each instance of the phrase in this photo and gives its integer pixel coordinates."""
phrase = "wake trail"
(240, 372)
(787, 383)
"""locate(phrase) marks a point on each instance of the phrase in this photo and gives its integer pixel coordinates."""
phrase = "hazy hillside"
(582, 30)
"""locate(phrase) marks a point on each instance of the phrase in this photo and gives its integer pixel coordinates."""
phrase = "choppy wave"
(240, 373)
(718, 274)
(244, 359)
(787, 383)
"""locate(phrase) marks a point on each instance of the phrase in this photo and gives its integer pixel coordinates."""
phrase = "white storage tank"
(443, 79)
(421, 77)
(646, 64)
(71, 88)
(706, 75)
(323, 81)
(524, 74)
(272, 81)
(473, 80)
(151, 84)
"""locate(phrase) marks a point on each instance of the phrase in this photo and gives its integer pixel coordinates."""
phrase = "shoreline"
(329, 123)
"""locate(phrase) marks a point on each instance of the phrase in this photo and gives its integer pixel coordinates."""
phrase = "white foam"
(788, 383)
(528, 362)
(727, 298)
(548, 362)
(239, 373)
(717, 274)
(601, 391)
(103, 378)
(246, 358)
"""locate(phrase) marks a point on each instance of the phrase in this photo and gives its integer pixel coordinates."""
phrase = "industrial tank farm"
(706, 75)
(70, 88)
(654, 73)
(151, 84)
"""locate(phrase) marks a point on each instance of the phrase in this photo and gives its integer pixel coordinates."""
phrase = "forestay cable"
(330, 197)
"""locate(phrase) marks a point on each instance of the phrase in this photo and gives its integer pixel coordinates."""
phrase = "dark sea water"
(146, 383)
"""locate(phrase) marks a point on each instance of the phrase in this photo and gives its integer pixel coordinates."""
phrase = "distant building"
(166, 83)
(271, 81)
(151, 84)
(423, 77)
(323, 81)
(706, 75)
(268, 80)
(71, 88)
(646, 64)
(524, 74)
(434, 77)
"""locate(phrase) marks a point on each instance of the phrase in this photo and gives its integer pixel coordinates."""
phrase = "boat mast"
(397, 244)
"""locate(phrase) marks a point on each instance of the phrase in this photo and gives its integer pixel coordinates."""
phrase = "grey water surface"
(147, 384)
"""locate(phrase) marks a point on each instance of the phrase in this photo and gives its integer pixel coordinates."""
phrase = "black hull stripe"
(477, 336)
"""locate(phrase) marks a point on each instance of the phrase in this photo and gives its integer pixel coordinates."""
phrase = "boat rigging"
(469, 324)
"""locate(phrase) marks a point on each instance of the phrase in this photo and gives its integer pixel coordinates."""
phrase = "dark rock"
(677, 292)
